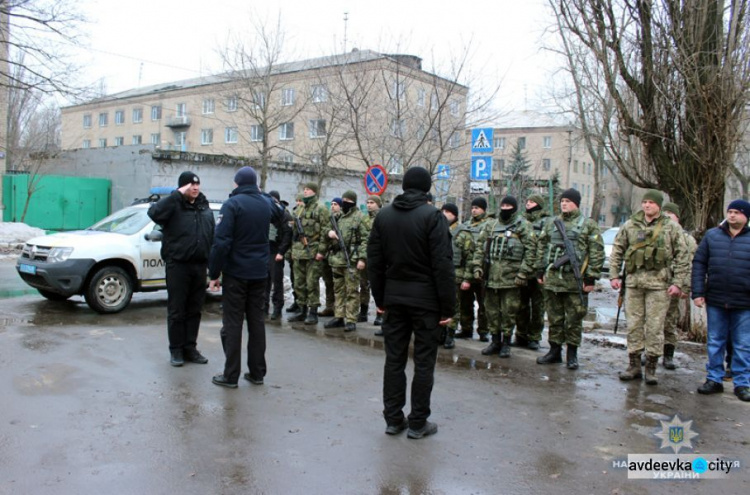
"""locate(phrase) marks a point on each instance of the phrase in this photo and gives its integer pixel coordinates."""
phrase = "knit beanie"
(246, 176)
(480, 202)
(655, 196)
(313, 186)
(338, 201)
(417, 178)
(376, 200)
(451, 208)
(187, 178)
(350, 195)
(740, 205)
(538, 199)
(275, 195)
(572, 195)
(671, 208)
(510, 200)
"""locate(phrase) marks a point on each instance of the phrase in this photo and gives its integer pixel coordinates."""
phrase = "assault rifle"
(342, 244)
(569, 257)
(620, 298)
(301, 235)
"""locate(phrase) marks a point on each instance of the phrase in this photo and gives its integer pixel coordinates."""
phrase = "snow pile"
(14, 233)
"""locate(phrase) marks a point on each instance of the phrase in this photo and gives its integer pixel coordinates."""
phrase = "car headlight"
(59, 254)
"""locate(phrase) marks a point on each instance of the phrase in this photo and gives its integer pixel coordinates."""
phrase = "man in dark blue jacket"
(188, 227)
(411, 274)
(241, 253)
(721, 282)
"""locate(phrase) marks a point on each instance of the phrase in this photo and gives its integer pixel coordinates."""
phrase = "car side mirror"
(154, 236)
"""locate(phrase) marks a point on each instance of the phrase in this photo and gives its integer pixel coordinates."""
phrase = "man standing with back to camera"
(188, 227)
(412, 277)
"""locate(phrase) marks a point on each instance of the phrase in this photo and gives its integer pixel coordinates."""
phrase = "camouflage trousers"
(346, 289)
(645, 311)
(364, 288)
(502, 306)
(530, 318)
(672, 322)
(307, 282)
(457, 313)
(327, 273)
(467, 308)
(565, 314)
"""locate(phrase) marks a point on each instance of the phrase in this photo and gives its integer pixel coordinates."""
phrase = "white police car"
(105, 263)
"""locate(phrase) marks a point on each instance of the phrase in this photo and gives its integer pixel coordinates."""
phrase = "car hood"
(77, 238)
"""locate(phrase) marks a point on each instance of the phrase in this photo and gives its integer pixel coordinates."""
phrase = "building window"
(395, 165)
(137, 139)
(287, 97)
(259, 100)
(180, 110)
(454, 106)
(398, 90)
(455, 140)
(208, 106)
(319, 93)
(256, 133)
(547, 142)
(546, 164)
(286, 157)
(86, 144)
(575, 186)
(397, 128)
(103, 142)
(180, 139)
(522, 143)
(87, 121)
(119, 141)
(501, 164)
(232, 104)
(575, 166)
(590, 168)
(119, 117)
(286, 131)
(103, 119)
(421, 97)
(602, 219)
(434, 101)
(230, 135)
(317, 128)
(156, 138)
(207, 136)
(137, 115)
(500, 143)
(156, 112)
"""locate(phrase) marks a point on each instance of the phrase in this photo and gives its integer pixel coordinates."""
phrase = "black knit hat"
(510, 200)
(572, 195)
(275, 195)
(740, 205)
(480, 202)
(417, 178)
(246, 176)
(187, 178)
(451, 208)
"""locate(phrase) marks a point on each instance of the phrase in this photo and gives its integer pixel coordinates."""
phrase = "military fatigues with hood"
(511, 247)
(565, 311)
(467, 297)
(530, 316)
(315, 224)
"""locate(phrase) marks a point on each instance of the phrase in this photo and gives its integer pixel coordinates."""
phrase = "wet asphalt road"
(91, 405)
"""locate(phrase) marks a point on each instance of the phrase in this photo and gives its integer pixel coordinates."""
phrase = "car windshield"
(126, 221)
(609, 236)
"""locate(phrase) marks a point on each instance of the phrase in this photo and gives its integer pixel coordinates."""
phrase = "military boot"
(495, 345)
(378, 320)
(293, 308)
(312, 317)
(465, 333)
(450, 342)
(572, 357)
(634, 370)
(276, 315)
(553, 356)
(362, 318)
(669, 357)
(651, 362)
(299, 316)
(505, 348)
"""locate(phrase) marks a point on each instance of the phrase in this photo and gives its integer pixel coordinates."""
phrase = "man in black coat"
(411, 274)
(188, 227)
(241, 253)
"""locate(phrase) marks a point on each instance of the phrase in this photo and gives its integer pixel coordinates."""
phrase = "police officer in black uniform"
(280, 240)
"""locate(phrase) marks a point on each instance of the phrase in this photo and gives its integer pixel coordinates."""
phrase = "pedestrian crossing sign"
(481, 140)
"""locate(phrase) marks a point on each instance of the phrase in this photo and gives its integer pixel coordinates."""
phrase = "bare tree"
(678, 74)
(741, 166)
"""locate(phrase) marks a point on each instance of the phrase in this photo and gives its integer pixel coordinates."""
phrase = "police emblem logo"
(676, 434)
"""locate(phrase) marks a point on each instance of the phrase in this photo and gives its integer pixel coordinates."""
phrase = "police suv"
(105, 263)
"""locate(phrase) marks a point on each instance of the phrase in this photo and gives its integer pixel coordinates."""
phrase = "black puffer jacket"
(188, 228)
(721, 269)
(409, 256)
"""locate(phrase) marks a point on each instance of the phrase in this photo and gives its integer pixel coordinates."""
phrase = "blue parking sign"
(481, 168)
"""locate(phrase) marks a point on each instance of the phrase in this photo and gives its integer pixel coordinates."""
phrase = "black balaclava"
(507, 214)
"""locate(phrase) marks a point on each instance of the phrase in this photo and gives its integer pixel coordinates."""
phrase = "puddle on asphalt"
(53, 379)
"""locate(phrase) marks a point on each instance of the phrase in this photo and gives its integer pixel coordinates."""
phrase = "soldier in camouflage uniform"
(374, 203)
(463, 252)
(353, 228)
(326, 272)
(672, 321)
(562, 297)
(475, 291)
(307, 251)
(530, 317)
(294, 308)
(504, 260)
(653, 250)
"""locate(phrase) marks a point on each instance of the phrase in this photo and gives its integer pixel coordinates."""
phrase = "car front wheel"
(110, 290)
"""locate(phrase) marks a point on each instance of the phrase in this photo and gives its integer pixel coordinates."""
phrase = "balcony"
(178, 121)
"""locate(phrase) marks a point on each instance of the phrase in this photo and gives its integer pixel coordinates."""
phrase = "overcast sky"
(144, 42)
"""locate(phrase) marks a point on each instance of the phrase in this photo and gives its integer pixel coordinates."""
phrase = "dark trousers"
(275, 282)
(186, 290)
(399, 324)
(243, 300)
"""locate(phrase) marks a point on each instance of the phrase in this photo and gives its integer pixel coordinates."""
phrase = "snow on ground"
(12, 237)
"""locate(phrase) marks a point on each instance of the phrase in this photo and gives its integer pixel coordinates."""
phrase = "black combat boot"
(176, 358)
(350, 327)
(572, 357)
(483, 337)
(651, 362)
(276, 315)
(312, 317)
(450, 341)
(293, 308)
(505, 349)
(465, 333)
(533, 345)
(362, 318)
(334, 323)
(553, 356)
(669, 357)
(634, 371)
(299, 316)
(378, 320)
(495, 345)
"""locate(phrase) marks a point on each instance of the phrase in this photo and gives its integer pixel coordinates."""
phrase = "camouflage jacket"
(538, 220)
(475, 224)
(510, 247)
(316, 222)
(654, 254)
(369, 218)
(586, 237)
(463, 250)
(355, 231)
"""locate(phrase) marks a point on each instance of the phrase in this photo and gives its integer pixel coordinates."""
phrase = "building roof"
(530, 119)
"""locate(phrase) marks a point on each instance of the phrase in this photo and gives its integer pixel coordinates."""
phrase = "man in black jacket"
(241, 253)
(411, 273)
(188, 227)
(280, 240)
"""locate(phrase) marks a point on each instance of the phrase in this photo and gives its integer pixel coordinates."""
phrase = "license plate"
(27, 269)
